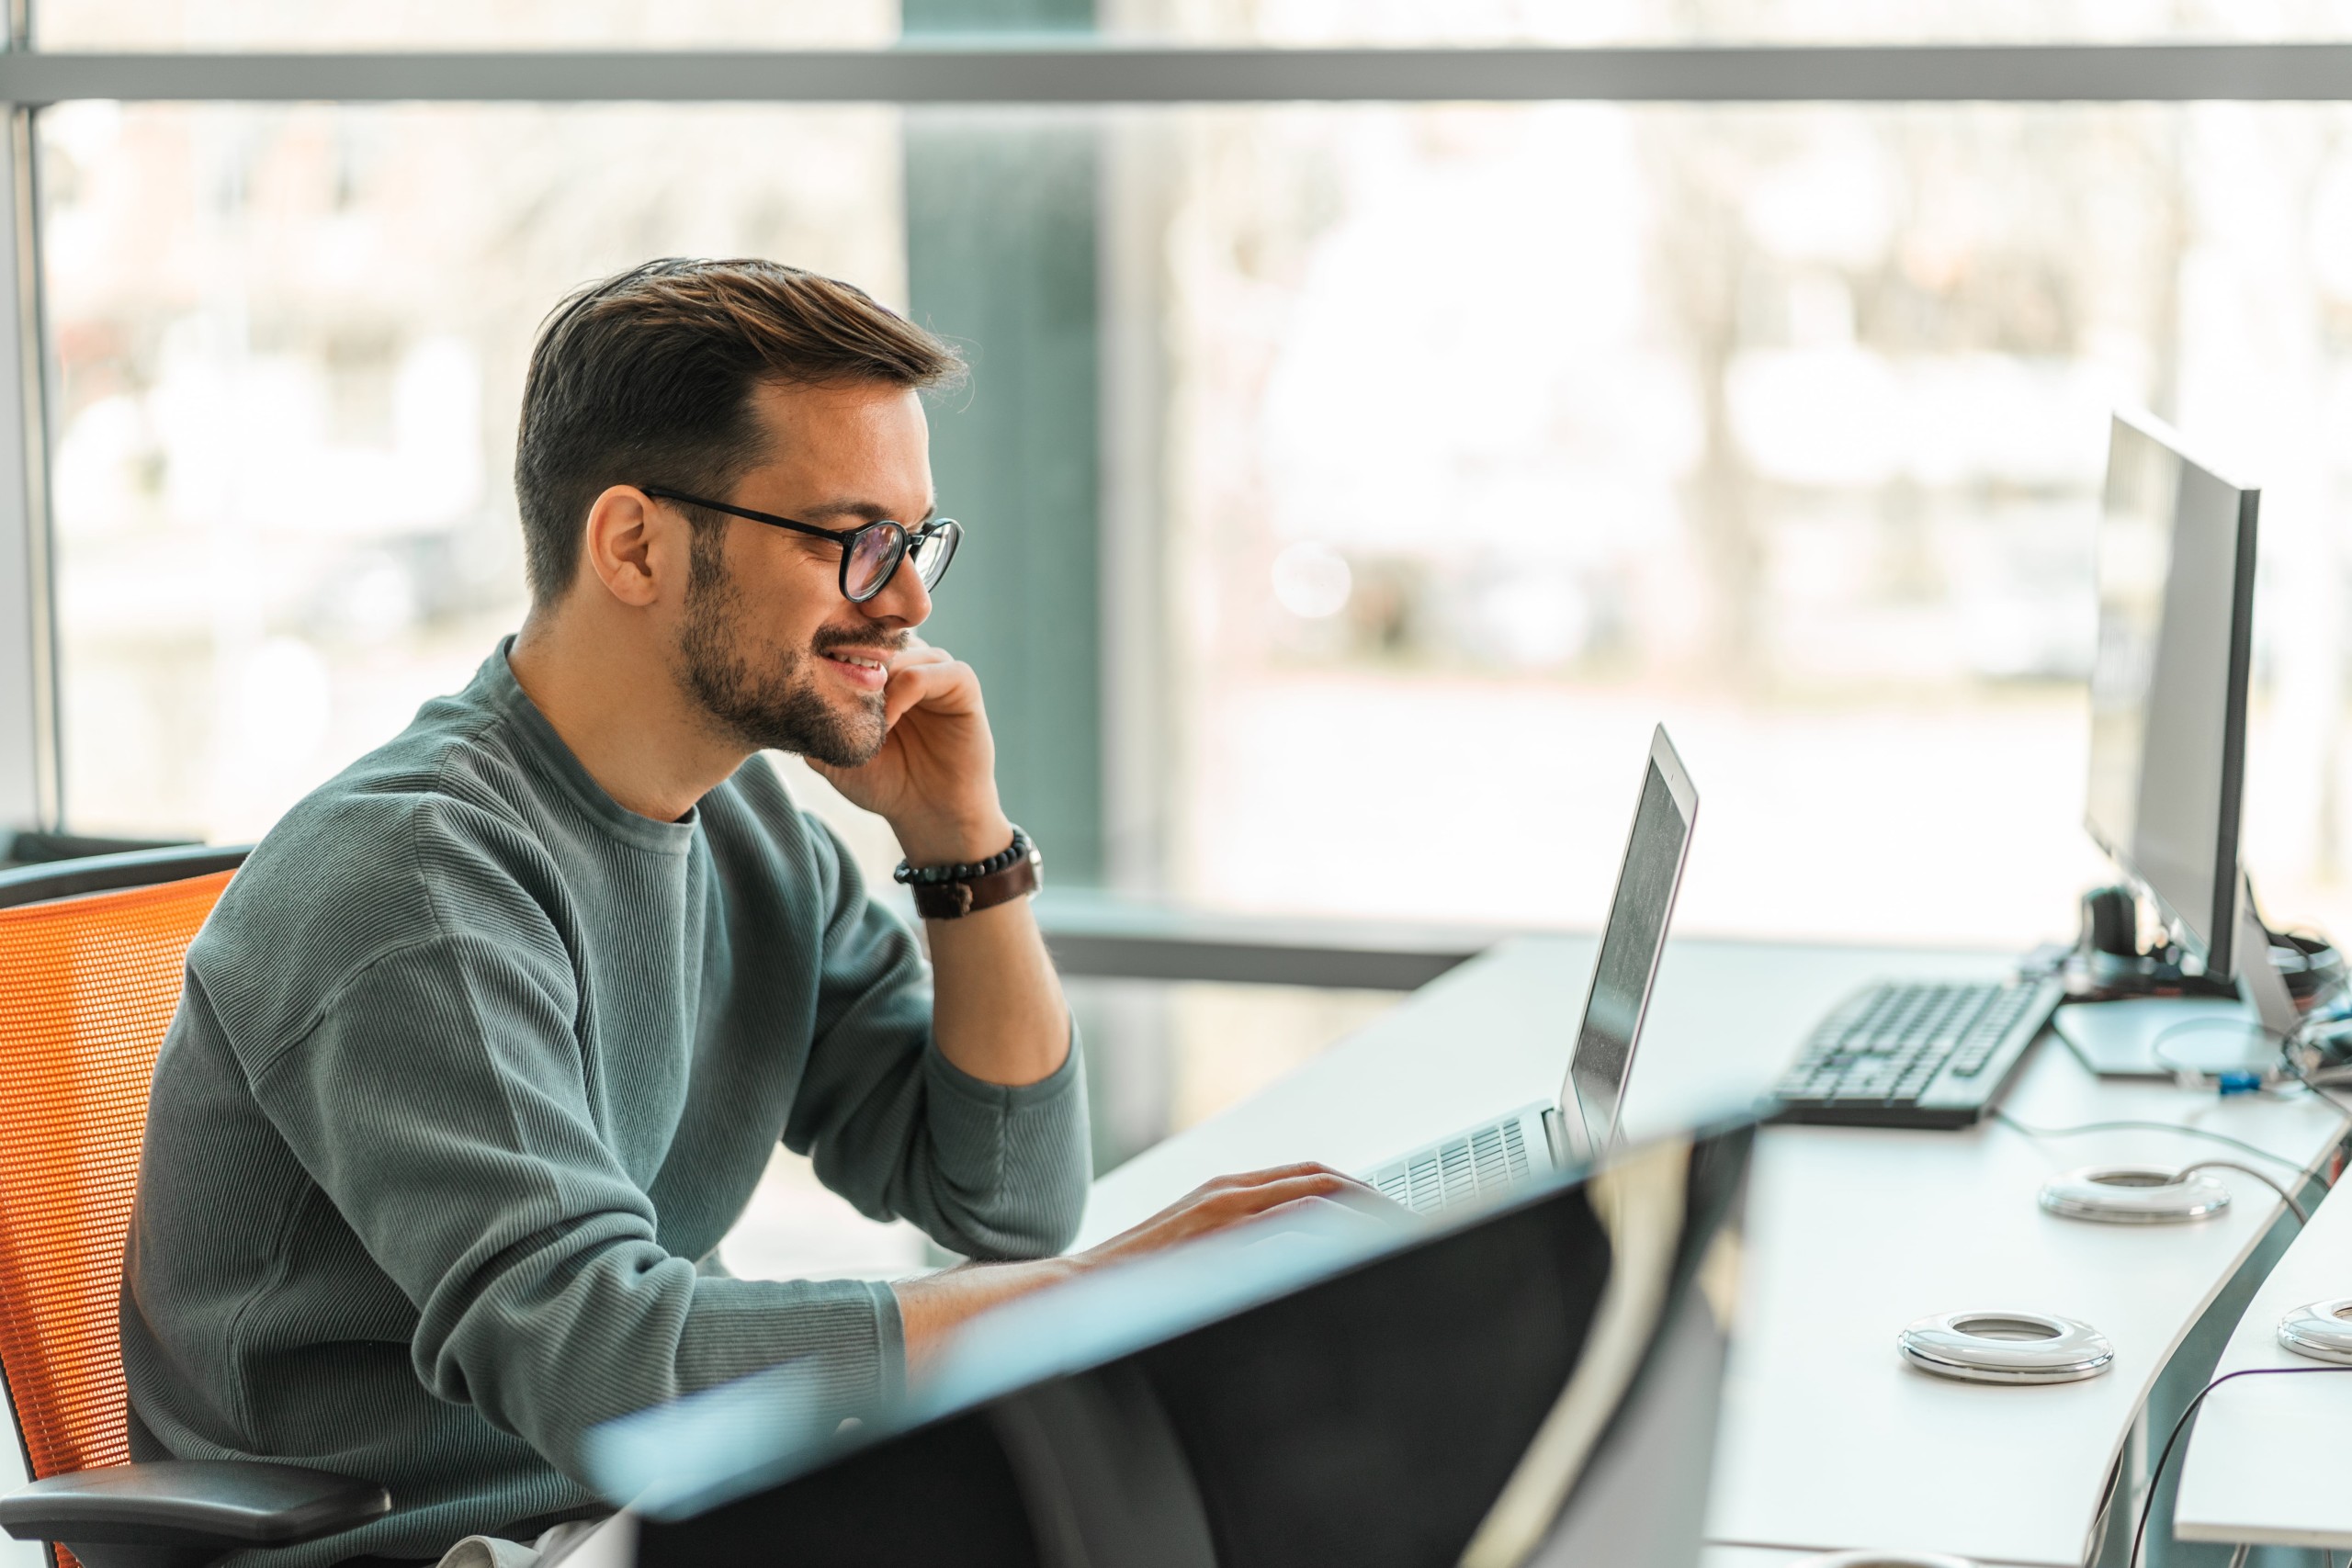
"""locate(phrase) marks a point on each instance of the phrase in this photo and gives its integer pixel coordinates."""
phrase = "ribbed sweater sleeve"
(988, 1170)
(477, 1181)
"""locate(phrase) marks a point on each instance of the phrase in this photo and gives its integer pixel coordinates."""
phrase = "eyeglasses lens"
(933, 551)
(873, 559)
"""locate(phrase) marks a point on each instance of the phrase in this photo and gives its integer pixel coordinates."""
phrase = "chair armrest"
(186, 1511)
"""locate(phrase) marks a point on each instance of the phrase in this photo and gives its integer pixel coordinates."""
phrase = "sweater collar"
(495, 685)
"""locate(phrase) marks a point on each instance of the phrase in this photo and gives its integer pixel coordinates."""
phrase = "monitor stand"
(2162, 1037)
(2259, 981)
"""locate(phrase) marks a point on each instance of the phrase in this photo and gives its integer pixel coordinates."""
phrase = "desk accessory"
(2006, 1347)
(2134, 1195)
(1883, 1559)
(2165, 1037)
(1916, 1053)
(2321, 1331)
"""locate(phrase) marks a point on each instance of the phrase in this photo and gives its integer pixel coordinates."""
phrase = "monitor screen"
(1630, 945)
(2168, 691)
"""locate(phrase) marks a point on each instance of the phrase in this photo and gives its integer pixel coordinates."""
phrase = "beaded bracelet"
(971, 871)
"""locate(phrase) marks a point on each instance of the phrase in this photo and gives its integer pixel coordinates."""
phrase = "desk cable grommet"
(2134, 1195)
(2321, 1331)
(2005, 1347)
(1883, 1559)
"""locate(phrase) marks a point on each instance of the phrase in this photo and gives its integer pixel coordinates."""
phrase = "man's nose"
(903, 599)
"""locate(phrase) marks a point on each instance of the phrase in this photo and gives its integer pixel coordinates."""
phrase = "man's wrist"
(933, 1306)
(948, 841)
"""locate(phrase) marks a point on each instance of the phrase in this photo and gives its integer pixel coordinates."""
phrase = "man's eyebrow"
(864, 511)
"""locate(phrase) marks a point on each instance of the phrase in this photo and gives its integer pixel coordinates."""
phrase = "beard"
(772, 703)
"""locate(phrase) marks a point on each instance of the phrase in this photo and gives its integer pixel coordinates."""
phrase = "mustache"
(829, 638)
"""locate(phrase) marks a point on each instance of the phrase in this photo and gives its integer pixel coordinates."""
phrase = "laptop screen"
(1630, 945)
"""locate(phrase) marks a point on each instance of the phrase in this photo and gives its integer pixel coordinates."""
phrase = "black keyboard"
(1917, 1054)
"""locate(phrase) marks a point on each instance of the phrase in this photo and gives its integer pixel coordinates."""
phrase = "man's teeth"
(853, 658)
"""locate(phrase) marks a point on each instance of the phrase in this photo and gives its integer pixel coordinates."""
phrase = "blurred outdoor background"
(1349, 490)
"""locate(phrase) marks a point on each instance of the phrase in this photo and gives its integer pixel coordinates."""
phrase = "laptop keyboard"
(1479, 1164)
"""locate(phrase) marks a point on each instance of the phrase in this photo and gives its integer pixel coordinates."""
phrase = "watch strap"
(954, 900)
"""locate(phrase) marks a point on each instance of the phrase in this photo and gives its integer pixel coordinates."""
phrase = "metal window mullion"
(1141, 721)
(1080, 73)
(30, 780)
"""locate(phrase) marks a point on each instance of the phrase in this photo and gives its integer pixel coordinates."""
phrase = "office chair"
(91, 957)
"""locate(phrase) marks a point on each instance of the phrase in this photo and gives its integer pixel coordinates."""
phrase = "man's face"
(767, 647)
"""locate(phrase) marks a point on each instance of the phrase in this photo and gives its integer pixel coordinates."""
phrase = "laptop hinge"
(1556, 1137)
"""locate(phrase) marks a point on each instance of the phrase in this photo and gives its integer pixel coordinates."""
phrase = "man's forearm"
(998, 1011)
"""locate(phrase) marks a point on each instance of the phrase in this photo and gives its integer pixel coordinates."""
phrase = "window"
(290, 346)
(1506, 431)
(1462, 443)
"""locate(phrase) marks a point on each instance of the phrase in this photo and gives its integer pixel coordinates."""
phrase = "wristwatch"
(951, 892)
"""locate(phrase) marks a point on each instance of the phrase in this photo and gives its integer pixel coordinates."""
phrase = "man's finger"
(1327, 1214)
(1271, 1173)
(926, 684)
(1331, 1187)
(1248, 1182)
(914, 653)
(1239, 1202)
(1348, 1185)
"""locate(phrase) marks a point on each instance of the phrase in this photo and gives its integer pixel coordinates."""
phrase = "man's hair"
(648, 379)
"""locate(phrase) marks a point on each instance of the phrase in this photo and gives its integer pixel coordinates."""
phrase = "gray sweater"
(474, 1067)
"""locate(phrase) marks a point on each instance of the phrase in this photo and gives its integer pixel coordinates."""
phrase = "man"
(489, 1042)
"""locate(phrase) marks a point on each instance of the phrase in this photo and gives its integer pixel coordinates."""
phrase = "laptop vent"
(1484, 1163)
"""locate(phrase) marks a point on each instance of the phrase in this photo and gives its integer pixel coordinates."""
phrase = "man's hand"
(998, 1011)
(934, 779)
(1286, 1191)
(933, 1307)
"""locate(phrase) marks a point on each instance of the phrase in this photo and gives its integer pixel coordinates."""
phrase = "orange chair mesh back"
(87, 986)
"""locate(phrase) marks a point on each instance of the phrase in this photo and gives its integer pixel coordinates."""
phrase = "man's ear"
(635, 548)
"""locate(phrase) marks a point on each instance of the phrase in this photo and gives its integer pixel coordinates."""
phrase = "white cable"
(2032, 1131)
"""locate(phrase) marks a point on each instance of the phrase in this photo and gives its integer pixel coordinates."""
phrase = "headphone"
(2311, 965)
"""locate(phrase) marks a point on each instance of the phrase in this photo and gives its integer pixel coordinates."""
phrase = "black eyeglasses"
(870, 554)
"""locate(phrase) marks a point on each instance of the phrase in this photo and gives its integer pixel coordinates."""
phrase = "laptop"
(1582, 1123)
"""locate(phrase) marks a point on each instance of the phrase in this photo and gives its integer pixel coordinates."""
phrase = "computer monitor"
(1535, 1382)
(2168, 690)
